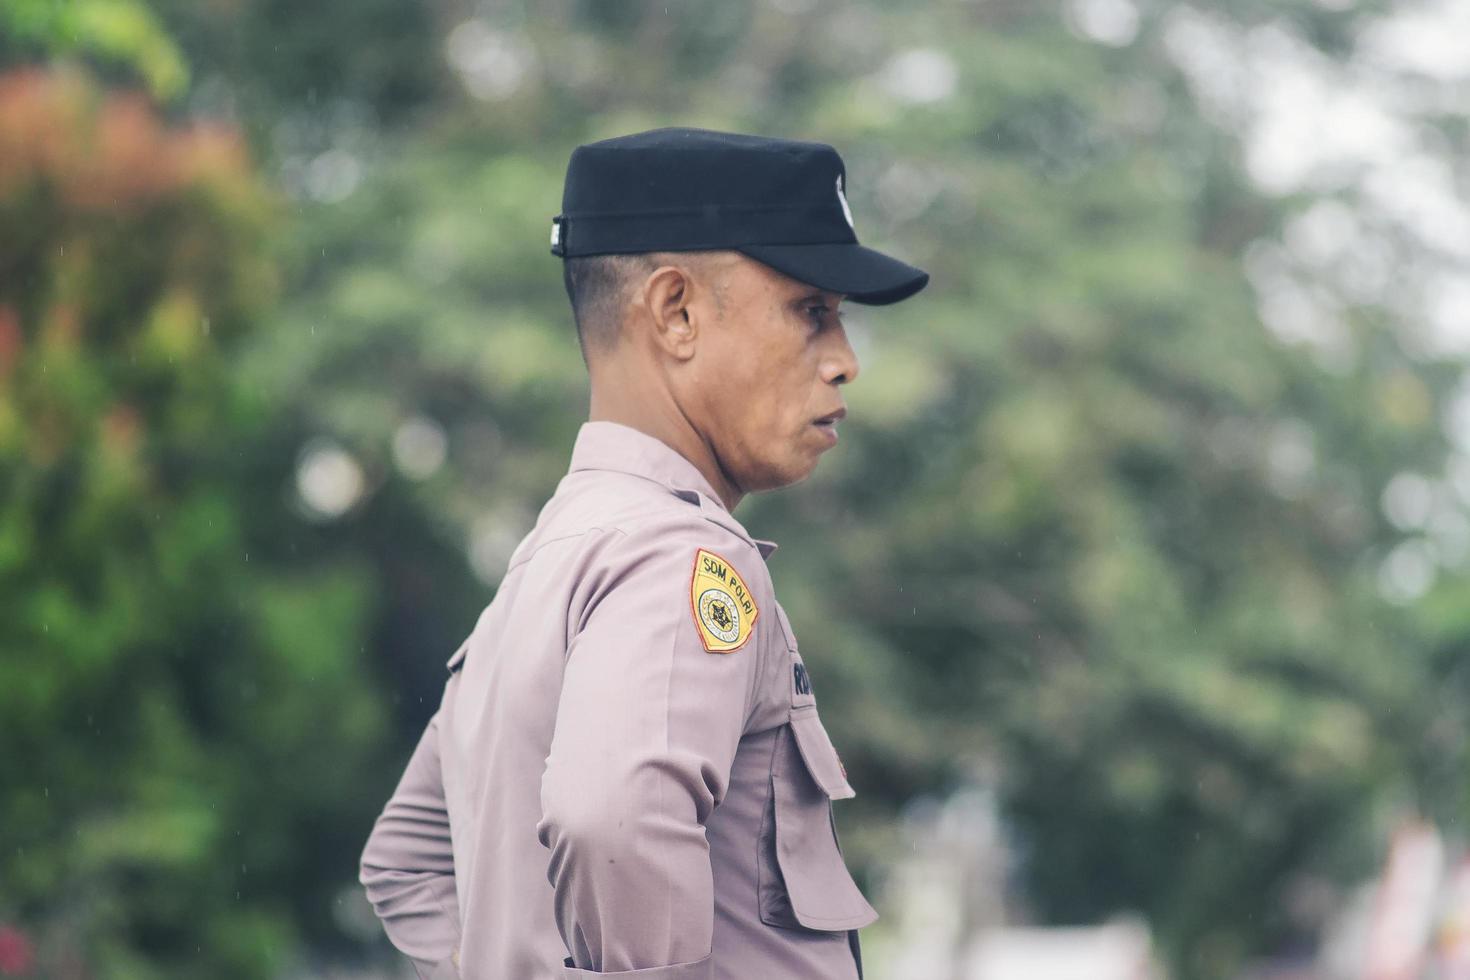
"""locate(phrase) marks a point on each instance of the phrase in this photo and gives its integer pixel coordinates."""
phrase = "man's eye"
(817, 314)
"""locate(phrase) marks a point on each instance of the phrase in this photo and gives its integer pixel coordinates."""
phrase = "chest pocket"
(803, 879)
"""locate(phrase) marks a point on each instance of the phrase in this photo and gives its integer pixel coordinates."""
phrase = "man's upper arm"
(647, 728)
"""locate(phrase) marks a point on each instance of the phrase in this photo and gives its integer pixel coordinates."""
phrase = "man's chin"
(788, 475)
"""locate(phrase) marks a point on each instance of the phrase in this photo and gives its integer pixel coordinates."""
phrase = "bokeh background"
(1136, 593)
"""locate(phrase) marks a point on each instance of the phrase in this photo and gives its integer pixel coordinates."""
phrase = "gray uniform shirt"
(627, 774)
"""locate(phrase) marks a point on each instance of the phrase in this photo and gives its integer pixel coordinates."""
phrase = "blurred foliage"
(121, 33)
(169, 768)
(288, 70)
(1092, 534)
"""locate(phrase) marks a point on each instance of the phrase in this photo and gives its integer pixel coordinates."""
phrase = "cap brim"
(862, 274)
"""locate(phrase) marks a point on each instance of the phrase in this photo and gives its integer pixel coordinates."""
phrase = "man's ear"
(667, 300)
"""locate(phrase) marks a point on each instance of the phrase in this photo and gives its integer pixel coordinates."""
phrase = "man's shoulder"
(680, 567)
(674, 535)
(644, 517)
(660, 529)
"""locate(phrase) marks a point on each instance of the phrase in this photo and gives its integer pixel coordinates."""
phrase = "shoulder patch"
(724, 610)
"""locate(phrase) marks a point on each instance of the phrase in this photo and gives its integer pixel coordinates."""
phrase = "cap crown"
(681, 189)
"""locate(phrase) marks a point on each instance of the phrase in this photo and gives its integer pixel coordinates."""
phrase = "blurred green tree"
(123, 36)
(184, 728)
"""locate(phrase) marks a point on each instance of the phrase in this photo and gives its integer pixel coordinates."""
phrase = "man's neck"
(650, 410)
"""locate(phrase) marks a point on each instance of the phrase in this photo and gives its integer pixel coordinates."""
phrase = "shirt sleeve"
(407, 865)
(646, 732)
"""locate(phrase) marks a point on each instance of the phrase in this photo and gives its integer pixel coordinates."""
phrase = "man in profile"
(627, 775)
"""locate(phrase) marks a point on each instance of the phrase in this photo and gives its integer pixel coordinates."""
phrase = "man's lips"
(827, 425)
(832, 417)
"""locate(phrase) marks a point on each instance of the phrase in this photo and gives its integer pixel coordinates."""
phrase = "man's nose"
(841, 365)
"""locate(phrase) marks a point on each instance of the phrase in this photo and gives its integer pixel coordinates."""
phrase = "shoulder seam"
(580, 532)
(696, 519)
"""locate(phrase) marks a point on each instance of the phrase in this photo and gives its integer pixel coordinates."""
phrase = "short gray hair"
(598, 287)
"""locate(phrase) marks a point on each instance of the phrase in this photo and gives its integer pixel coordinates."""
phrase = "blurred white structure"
(1404, 909)
(1118, 951)
(1412, 922)
(952, 921)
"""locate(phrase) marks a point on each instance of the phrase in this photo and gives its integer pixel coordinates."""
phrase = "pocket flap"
(820, 755)
(815, 889)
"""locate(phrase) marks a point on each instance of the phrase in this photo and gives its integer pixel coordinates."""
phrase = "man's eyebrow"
(819, 295)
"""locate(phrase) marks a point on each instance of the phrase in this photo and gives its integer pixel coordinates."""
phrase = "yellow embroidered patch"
(724, 610)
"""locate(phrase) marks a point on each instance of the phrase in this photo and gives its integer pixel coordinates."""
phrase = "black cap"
(781, 202)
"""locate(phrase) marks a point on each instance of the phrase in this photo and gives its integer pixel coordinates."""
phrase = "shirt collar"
(621, 448)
